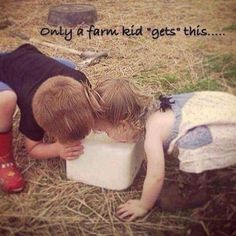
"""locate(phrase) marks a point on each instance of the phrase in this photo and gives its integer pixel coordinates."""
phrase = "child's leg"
(11, 179)
(7, 107)
(65, 62)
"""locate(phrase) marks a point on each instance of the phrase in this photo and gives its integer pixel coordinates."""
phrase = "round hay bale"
(72, 14)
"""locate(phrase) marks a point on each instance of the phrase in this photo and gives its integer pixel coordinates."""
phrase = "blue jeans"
(4, 87)
(66, 62)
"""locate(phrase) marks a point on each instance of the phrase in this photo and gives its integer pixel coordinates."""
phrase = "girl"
(201, 126)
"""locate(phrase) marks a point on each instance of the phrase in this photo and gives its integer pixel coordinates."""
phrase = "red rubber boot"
(11, 180)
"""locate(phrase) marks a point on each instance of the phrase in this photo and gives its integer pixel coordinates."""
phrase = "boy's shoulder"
(27, 46)
(23, 49)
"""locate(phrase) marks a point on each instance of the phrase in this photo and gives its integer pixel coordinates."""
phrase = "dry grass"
(52, 205)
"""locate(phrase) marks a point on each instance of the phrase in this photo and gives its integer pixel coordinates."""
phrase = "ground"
(52, 205)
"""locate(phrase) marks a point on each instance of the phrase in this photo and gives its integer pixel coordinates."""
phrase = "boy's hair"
(65, 108)
(122, 100)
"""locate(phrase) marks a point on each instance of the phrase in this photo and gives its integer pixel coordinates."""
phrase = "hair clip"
(165, 103)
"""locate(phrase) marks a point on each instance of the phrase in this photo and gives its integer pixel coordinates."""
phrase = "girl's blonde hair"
(122, 100)
(65, 108)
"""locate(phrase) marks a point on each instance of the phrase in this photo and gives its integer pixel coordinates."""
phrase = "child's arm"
(155, 174)
(40, 150)
(155, 170)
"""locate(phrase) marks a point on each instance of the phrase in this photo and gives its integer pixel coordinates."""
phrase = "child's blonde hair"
(122, 100)
(65, 108)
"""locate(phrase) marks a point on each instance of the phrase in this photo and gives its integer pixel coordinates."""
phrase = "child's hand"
(131, 210)
(70, 151)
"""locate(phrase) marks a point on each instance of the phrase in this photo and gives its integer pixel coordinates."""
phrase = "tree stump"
(72, 15)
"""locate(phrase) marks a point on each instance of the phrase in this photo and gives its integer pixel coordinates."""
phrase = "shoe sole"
(17, 190)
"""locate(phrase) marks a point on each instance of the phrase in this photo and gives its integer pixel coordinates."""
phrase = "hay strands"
(88, 57)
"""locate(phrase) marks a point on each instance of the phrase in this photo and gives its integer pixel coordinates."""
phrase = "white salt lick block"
(106, 163)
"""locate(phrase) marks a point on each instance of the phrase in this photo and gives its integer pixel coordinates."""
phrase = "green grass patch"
(230, 27)
(224, 65)
(218, 63)
(151, 78)
(146, 77)
(202, 85)
(216, 67)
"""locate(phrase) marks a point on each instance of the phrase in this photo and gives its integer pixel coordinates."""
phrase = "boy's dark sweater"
(24, 70)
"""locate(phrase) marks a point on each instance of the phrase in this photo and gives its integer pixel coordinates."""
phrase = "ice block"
(106, 163)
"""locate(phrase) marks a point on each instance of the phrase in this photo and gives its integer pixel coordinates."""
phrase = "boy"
(61, 105)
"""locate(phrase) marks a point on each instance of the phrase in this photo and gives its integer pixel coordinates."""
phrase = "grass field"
(52, 205)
